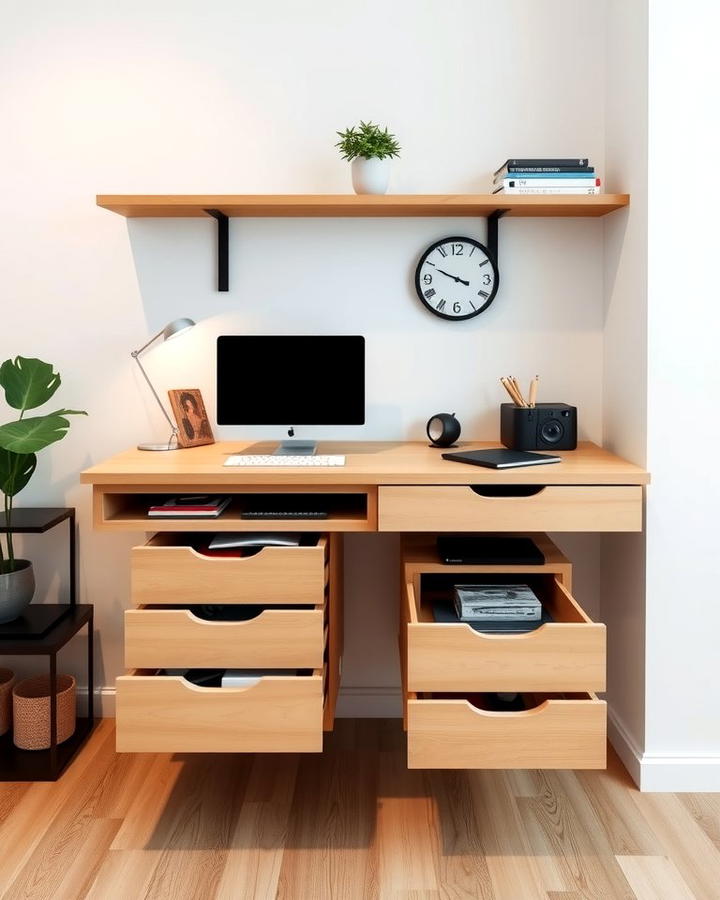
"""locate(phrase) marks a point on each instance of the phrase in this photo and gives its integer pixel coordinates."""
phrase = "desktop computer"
(290, 380)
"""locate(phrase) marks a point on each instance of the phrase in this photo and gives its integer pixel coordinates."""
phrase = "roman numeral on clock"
(442, 251)
(483, 263)
(483, 294)
(441, 306)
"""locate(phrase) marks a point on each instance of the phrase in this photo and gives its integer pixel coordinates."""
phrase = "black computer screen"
(288, 380)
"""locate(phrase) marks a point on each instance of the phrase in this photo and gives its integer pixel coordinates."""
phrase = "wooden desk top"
(367, 463)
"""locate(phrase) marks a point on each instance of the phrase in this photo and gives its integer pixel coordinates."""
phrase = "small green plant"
(28, 383)
(368, 141)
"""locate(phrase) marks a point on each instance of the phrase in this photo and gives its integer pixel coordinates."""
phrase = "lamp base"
(165, 446)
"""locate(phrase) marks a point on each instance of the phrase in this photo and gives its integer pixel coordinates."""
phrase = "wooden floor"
(350, 823)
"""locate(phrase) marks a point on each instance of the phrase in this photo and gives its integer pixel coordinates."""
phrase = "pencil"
(516, 385)
(533, 391)
(510, 388)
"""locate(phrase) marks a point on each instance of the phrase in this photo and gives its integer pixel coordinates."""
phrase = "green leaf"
(16, 469)
(31, 435)
(28, 383)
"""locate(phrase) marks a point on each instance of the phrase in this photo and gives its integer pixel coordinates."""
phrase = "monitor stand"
(296, 448)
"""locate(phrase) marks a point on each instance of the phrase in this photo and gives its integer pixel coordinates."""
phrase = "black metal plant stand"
(45, 633)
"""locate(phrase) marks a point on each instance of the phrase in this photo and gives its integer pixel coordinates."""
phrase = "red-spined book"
(192, 507)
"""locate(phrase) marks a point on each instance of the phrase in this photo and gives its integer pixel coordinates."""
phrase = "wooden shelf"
(367, 205)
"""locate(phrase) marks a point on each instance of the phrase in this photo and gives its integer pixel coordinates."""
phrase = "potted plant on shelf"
(370, 149)
(28, 383)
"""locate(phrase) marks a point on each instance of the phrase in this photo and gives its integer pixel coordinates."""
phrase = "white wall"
(234, 97)
(682, 741)
(625, 362)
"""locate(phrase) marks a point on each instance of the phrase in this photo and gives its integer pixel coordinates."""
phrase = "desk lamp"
(173, 329)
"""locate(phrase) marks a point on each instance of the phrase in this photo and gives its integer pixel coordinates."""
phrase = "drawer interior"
(435, 600)
(507, 703)
(199, 542)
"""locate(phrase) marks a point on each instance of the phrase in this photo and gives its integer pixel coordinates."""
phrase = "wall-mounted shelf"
(223, 207)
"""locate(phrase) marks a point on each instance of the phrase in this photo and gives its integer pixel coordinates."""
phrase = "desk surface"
(367, 463)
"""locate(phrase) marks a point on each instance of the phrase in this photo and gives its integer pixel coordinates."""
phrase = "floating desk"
(386, 487)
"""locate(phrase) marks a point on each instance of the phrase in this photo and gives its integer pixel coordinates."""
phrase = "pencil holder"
(546, 426)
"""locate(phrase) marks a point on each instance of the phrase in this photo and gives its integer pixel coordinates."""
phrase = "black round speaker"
(443, 429)
(552, 431)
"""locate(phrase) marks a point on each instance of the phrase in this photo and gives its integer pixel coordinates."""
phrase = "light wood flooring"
(352, 822)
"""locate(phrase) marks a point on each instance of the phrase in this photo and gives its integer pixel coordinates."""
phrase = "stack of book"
(199, 506)
(546, 176)
(492, 603)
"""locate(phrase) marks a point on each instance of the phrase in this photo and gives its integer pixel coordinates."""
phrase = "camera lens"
(551, 431)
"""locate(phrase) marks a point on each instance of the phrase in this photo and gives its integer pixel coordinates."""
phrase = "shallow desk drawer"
(167, 714)
(168, 571)
(567, 654)
(556, 734)
(510, 508)
(176, 638)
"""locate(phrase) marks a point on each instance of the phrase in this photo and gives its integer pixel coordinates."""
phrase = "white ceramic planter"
(370, 176)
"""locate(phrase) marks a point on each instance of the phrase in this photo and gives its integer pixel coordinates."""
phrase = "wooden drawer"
(167, 714)
(480, 508)
(567, 654)
(556, 734)
(167, 571)
(175, 638)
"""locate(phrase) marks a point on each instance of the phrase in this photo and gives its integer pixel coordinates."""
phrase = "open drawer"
(563, 732)
(177, 638)
(169, 570)
(510, 507)
(566, 654)
(168, 714)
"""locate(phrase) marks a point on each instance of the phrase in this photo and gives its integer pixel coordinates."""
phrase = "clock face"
(456, 278)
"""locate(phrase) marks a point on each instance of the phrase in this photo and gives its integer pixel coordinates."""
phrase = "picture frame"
(191, 418)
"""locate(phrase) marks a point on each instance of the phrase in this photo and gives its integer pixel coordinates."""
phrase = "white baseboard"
(625, 745)
(655, 772)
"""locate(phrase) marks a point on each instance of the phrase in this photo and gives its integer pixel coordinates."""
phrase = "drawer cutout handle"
(507, 490)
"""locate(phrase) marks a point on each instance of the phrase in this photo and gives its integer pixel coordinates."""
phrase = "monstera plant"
(28, 384)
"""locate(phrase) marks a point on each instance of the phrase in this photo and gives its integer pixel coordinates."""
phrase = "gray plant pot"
(16, 591)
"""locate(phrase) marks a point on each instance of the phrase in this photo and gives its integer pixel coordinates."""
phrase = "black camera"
(546, 426)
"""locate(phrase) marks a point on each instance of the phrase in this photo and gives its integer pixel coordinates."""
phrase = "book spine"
(549, 169)
(560, 176)
(525, 163)
(548, 190)
(551, 182)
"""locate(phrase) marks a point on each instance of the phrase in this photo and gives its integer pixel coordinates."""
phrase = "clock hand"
(455, 278)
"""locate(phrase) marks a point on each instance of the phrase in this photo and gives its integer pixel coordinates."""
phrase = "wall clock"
(456, 278)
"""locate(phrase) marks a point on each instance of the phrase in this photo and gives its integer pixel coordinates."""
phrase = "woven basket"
(31, 711)
(7, 680)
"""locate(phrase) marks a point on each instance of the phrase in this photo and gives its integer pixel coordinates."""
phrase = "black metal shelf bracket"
(223, 250)
(492, 233)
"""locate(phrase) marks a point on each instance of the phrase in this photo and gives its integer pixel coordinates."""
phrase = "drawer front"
(166, 714)
(552, 508)
(559, 734)
(567, 654)
(175, 638)
(164, 573)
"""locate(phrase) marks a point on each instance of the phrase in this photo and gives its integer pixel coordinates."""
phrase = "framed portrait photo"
(191, 418)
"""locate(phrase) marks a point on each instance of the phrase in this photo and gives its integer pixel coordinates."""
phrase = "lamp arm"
(135, 355)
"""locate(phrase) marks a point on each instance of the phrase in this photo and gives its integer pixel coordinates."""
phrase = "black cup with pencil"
(529, 425)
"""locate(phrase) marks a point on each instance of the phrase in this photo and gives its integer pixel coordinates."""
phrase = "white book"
(549, 182)
(549, 190)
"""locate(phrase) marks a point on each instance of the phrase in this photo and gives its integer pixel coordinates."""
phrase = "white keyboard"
(239, 460)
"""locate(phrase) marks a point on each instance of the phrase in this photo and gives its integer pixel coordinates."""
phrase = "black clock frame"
(493, 262)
